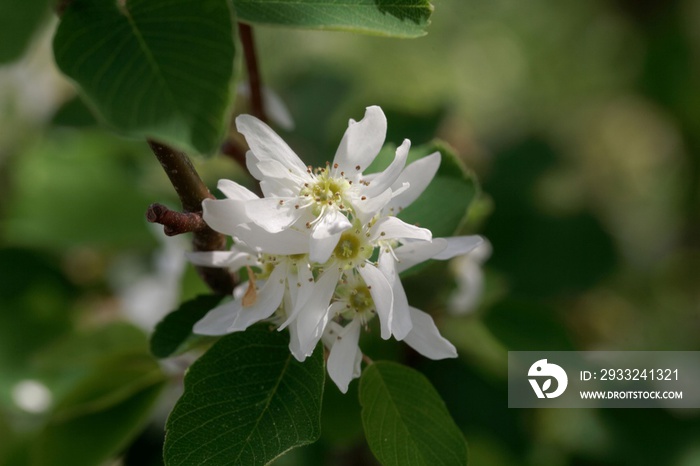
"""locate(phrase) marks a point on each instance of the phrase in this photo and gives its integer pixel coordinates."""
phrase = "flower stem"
(251, 61)
(192, 191)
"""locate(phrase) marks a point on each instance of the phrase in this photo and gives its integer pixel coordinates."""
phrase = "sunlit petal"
(418, 175)
(385, 179)
(224, 215)
(273, 214)
(395, 228)
(266, 144)
(361, 142)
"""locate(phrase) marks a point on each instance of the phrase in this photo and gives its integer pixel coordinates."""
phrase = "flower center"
(352, 249)
(359, 304)
(325, 191)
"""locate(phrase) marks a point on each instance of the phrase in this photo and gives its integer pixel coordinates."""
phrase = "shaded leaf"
(171, 335)
(101, 415)
(152, 69)
(444, 204)
(396, 18)
(405, 420)
(70, 192)
(115, 380)
(19, 20)
(74, 114)
(246, 401)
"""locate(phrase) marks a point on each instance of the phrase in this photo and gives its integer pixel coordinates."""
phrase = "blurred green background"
(581, 121)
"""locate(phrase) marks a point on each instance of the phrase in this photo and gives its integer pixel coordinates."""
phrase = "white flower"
(356, 305)
(365, 291)
(468, 272)
(324, 200)
(262, 295)
(323, 247)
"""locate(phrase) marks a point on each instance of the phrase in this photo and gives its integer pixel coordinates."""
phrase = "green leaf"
(172, 334)
(405, 420)
(443, 206)
(152, 69)
(395, 18)
(69, 191)
(115, 380)
(246, 402)
(101, 415)
(19, 20)
(74, 114)
(86, 348)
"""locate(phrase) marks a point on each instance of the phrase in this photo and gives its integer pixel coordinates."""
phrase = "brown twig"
(175, 223)
(192, 191)
(251, 62)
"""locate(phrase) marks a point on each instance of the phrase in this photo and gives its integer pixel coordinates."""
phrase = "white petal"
(269, 298)
(361, 142)
(231, 259)
(385, 179)
(294, 346)
(368, 208)
(470, 286)
(345, 356)
(395, 228)
(426, 339)
(266, 144)
(276, 188)
(286, 242)
(332, 223)
(218, 320)
(459, 245)
(415, 252)
(320, 250)
(224, 215)
(312, 320)
(382, 295)
(418, 175)
(283, 175)
(273, 214)
(301, 286)
(401, 324)
(482, 252)
(325, 235)
(251, 163)
(233, 190)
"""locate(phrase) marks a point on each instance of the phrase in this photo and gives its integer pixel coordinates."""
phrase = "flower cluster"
(323, 248)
